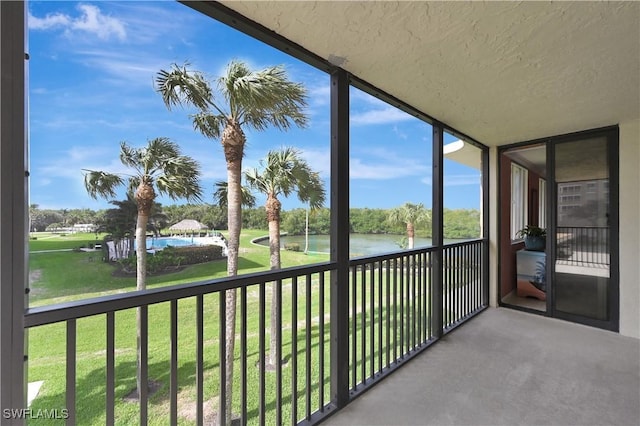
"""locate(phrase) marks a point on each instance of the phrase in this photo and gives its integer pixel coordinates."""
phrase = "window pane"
(462, 188)
(390, 170)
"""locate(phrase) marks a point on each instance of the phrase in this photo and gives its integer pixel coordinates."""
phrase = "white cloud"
(380, 116)
(383, 171)
(319, 160)
(49, 21)
(456, 180)
(91, 20)
(399, 133)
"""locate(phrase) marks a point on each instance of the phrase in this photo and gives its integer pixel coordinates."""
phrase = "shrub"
(173, 257)
(292, 246)
(197, 254)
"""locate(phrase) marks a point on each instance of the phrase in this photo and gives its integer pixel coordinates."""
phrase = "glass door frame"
(611, 133)
(613, 289)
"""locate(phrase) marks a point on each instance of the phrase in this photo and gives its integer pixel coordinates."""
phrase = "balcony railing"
(583, 246)
(391, 319)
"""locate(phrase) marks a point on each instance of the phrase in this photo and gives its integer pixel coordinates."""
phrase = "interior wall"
(629, 228)
(508, 249)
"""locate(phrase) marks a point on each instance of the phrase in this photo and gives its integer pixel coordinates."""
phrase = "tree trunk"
(410, 235)
(144, 198)
(306, 230)
(273, 207)
(233, 140)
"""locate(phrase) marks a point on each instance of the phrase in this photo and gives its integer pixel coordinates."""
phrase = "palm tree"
(161, 166)
(411, 215)
(283, 172)
(310, 193)
(249, 99)
(220, 195)
(120, 222)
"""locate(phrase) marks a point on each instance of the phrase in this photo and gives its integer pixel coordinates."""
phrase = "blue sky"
(91, 72)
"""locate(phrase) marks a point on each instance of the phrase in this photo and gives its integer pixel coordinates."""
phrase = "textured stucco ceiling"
(500, 72)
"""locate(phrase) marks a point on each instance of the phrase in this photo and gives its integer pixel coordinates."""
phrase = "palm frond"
(263, 98)
(409, 213)
(208, 124)
(222, 190)
(311, 190)
(283, 172)
(180, 86)
(129, 156)
(101, 184)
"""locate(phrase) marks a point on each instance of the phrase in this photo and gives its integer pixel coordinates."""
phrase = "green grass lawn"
(61, 276)
(68, 275)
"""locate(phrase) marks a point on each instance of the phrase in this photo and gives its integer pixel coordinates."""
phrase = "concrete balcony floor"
(507, 367)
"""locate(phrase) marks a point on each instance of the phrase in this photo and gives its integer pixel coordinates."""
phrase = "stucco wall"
(630, 228)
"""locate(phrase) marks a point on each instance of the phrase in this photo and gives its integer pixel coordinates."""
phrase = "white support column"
(494, 208)
(13, 209)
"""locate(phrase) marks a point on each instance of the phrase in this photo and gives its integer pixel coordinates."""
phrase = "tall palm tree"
(410, 215)
(248, 99)
(159, 165)
(283, 173)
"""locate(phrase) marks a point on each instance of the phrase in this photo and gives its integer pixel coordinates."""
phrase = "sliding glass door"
(584, 284)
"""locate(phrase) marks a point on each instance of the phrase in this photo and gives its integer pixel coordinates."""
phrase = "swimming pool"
(163, 242)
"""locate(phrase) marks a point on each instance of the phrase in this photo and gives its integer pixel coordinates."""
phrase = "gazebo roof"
(188, 225)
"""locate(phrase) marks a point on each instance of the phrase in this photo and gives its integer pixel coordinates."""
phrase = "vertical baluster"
(450, 295)
(380, 315)
(111, 380)
(395, 309)
(445, 288)
(466, 268)
(173, 369)
(321, 341)
(372, 317)
(278, 290)
(200, 359)
(354, 328)
(402, 280)
(71, 372)
(363, 337)
(261, 349)
(243, 350)
(414, 265)
(479, 265)
(294, 350)
(387, 264)
(429, 294)
(459, 283)
(468, 298)
(222, 354)
(308, 348)
(418, 298)
(143, 330)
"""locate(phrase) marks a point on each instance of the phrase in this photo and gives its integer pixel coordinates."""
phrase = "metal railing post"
(13, 208)
(340, 238)
(437, 222)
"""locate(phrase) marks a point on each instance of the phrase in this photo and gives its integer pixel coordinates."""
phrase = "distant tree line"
(458, 223)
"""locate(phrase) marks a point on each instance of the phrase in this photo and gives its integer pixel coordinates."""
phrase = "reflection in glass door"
(582, 268)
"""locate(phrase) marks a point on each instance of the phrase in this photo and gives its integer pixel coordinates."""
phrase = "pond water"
(359, 244)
